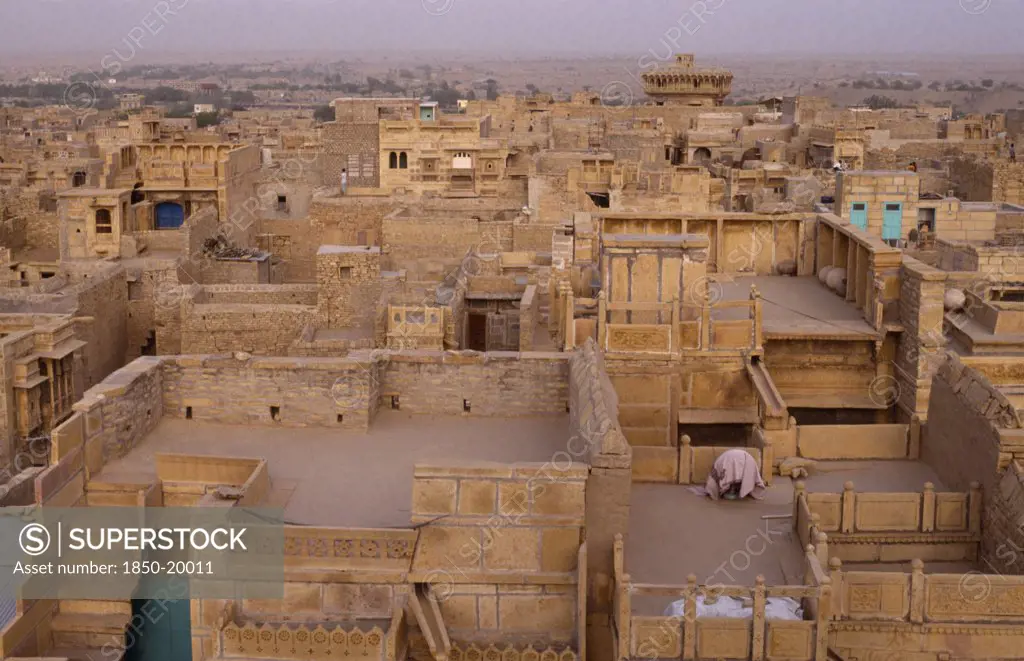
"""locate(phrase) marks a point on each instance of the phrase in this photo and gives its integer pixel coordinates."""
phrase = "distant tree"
(324, 114)
(878, 102)
(531, 88)
(935, 85)
(205, 119)
(165, 95)
(180, 111)
(405, 73)
(844, 84)
(243, 98)
(988, 83)
(492, 89)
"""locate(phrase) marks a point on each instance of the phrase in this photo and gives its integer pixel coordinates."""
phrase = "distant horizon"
(166, 57)
(538, 28)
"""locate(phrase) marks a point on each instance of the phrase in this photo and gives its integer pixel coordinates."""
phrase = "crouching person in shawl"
(734, 476)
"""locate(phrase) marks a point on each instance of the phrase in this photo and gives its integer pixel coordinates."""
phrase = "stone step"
(95, 607)
(83, 631)
(86, 654)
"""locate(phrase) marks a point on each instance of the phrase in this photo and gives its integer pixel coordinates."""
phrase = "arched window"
(393, 161)
(403, 161)
(78, 179)
(103, 222)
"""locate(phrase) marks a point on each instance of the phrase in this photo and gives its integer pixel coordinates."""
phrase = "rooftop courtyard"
(794, 305)
(678, 533)
(328, 477)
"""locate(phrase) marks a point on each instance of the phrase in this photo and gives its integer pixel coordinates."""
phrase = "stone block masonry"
(267, 330)
(299, 392)
(495, 384)
(349, 284)
(595, 429)
(346, 392)
(1002, 547)
(118, 413)
(502, 526)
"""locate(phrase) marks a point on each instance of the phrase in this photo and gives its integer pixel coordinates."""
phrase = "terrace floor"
(890, 476)
(794, 306)
(674, 532)
(335, 477)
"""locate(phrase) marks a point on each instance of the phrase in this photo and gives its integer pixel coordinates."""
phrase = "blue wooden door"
(892, 221)
(859, 215)
(169, 216)
(165, 633)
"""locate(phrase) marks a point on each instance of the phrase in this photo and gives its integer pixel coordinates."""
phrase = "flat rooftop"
(674, 532)
(334, 250)
(336, 477)
(795, 306)
(889, 476)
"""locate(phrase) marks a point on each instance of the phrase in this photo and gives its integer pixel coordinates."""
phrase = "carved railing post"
(758, 630)
(974, 509)
(821, 624)
(690, 619)
(849, 508)
(917, 591)
(685, 460)
(835, 574)
(928, 508)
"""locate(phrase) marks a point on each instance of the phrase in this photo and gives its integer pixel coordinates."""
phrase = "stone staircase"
(88, 630)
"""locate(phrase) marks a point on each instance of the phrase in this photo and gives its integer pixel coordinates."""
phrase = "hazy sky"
(515, 27)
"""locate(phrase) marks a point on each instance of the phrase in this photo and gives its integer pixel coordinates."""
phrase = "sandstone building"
(480, 379)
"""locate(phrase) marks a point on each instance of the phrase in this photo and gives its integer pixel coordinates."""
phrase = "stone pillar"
(607, 514)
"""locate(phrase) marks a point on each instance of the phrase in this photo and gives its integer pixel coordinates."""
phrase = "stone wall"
(497, 384)
(260, 329)
(297, 294)
(36, 213)
(502, 525)
(1002, 548)
(994, 264)
(876, 189)
(124, 408)
(961, 442)
(1008, 183)
(961, 438)
(430, 247)
(289, 392)
(529, 311)
(345, 221)
(972, 180)
(153, 296)
(349, 285)
(595, 432)
(353, 146)
(95, 293)
(920, 348)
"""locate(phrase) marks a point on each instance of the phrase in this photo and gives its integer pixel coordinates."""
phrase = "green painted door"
(892, 221)
(859, 215)
(162, 630)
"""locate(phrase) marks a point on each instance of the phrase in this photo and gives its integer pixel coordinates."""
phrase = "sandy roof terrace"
(335, 477)
(795, 305)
